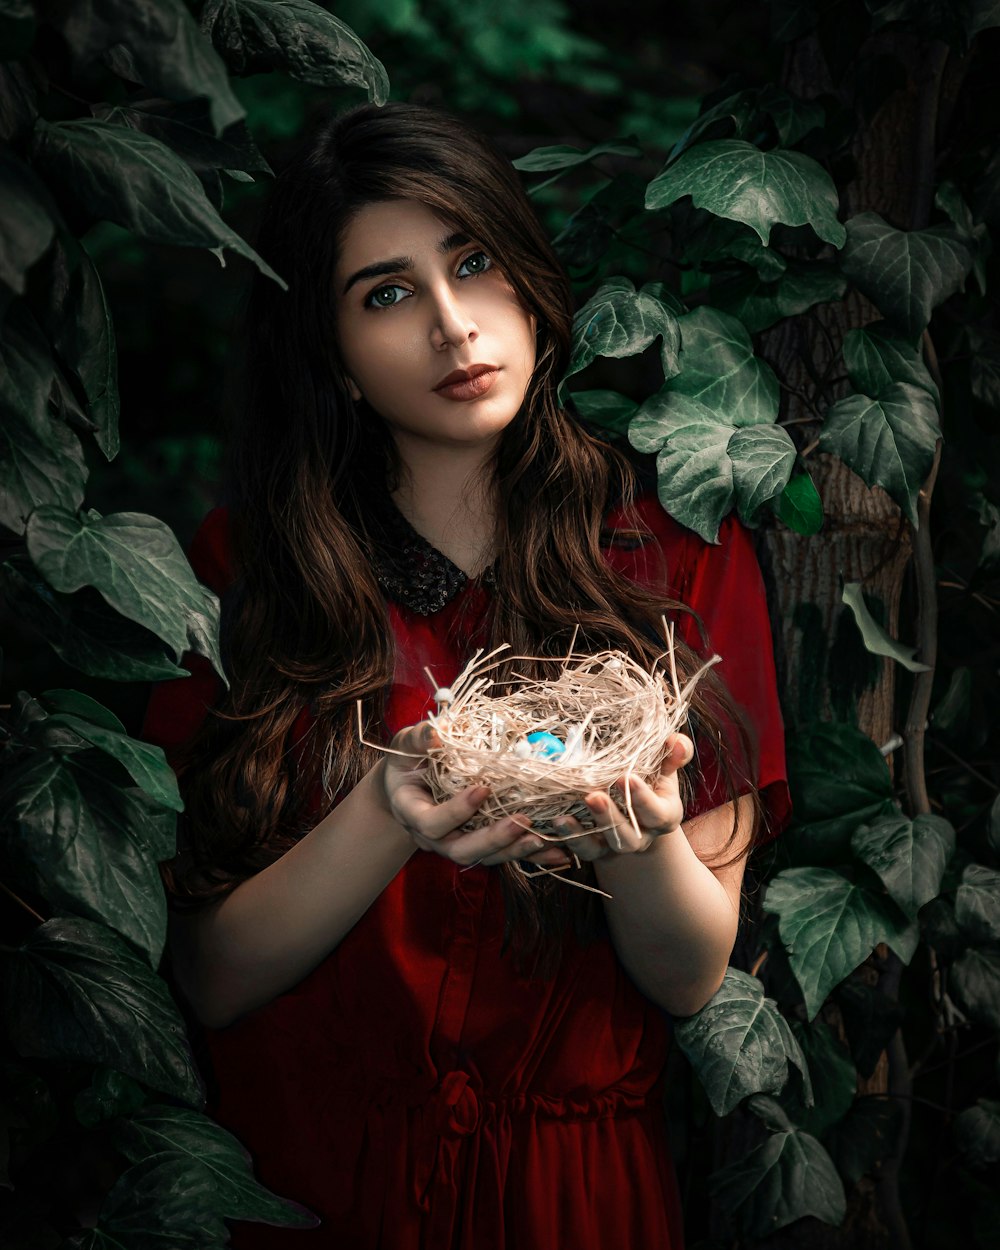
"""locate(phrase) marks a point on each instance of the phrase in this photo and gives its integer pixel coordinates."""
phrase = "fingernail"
(531, 845)
(477, 794)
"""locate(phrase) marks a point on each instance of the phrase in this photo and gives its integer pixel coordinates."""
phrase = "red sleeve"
(177, 708)
(723, 585)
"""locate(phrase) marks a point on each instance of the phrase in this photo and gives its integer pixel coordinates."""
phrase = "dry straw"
(612, 719)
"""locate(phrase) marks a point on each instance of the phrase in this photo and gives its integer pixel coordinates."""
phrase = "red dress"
(414, 1091)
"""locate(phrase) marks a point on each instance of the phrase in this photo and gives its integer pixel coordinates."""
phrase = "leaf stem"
(18, 899)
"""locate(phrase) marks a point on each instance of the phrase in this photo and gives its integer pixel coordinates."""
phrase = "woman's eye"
(386, 296)
(478, 262)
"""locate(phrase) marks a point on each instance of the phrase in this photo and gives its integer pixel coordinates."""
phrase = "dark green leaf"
(164, 1202)
(975, 979)
(870, 1022)
(939, 928)
(905, 273)
(78, 321)
(41, 460)
(185, 1134)
(760, 304)
(709, 242)
(136, 563)
(26, 224)
(799, 505)
(86, 844)
(984, 366)
(763, 457)
(146, 764)
(295, 36)
(186, 129)
(76, 990)
(83, 630)
(909, 856)
(738, 181)
(977, 903)
(169, 52)
(876, 640)
(830, 925)
(718, 368)
(793, 117)
(134, 180)
(867, 1135)
(888, 442)
(739, 1043)
(832, 1075)
(839, 781)
(564, 157)
(108, 1095)
(694, 472)
(876, 357)
(606, 409)
(79, 704)
(620, 321)
(977, 1132)
(788, 1177)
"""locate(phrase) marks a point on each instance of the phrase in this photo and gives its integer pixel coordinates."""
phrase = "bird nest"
(541, 745)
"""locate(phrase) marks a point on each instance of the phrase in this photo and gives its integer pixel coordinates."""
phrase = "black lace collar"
(409, 569)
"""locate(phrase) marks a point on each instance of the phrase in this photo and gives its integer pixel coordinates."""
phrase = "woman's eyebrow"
(399, 264)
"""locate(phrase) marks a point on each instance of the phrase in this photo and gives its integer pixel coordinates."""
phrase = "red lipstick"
(470, 383)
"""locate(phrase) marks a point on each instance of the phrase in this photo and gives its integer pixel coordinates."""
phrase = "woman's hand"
(437, 826)
(658, 810)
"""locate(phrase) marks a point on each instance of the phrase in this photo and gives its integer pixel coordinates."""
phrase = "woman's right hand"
(438, 826)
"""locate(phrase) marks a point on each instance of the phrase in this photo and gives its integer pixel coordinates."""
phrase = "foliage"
(123, 113)
(141, 121)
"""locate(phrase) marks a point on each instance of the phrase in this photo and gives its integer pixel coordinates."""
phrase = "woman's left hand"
(658, 810)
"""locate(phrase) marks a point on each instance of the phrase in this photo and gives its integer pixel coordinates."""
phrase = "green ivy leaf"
(786, 1178)
(146, 764)
(619, 321)
(169, 52)
(296, 36)
(710, 242)
(78, 704)
(975, 980)
(760, 304)
(977, 903)
(763, 457)
(868, 1134)
(87, 844)
(905, 273)
(888, 442)
(876, 640)
(909, 856)
(695, 474)
(977, 1132)
(108, 1095)
(78, 321)
(830, 925)
(26, 226)
(832, 1075)
(161, 1203)
(736, 180)
(76, 990)
(870, 1022)
(984, 365)
(799, 505)
(194, 1138)
(136, 563)
(137, 182)
(739, 1043)
(83, 630)
(606, 409)
(839, 781)
(562, 156)
(876, 358)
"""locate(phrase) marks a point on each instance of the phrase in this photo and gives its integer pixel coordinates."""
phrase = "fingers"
(504, 840)
(414, 740)
(679, 751)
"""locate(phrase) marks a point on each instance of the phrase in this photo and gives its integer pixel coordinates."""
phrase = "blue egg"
(547, 745)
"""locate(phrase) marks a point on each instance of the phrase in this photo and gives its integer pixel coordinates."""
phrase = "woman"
(414, 1039)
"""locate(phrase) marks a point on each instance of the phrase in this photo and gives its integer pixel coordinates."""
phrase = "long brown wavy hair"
(305, 624)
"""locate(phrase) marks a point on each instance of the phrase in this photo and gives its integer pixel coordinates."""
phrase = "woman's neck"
(443, 497)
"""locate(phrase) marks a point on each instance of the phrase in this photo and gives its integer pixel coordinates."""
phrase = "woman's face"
(430, 332)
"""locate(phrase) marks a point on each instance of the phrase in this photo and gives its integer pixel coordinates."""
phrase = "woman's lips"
(469, 387)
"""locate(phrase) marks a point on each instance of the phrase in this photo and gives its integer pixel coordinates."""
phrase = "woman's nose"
(453, 323)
